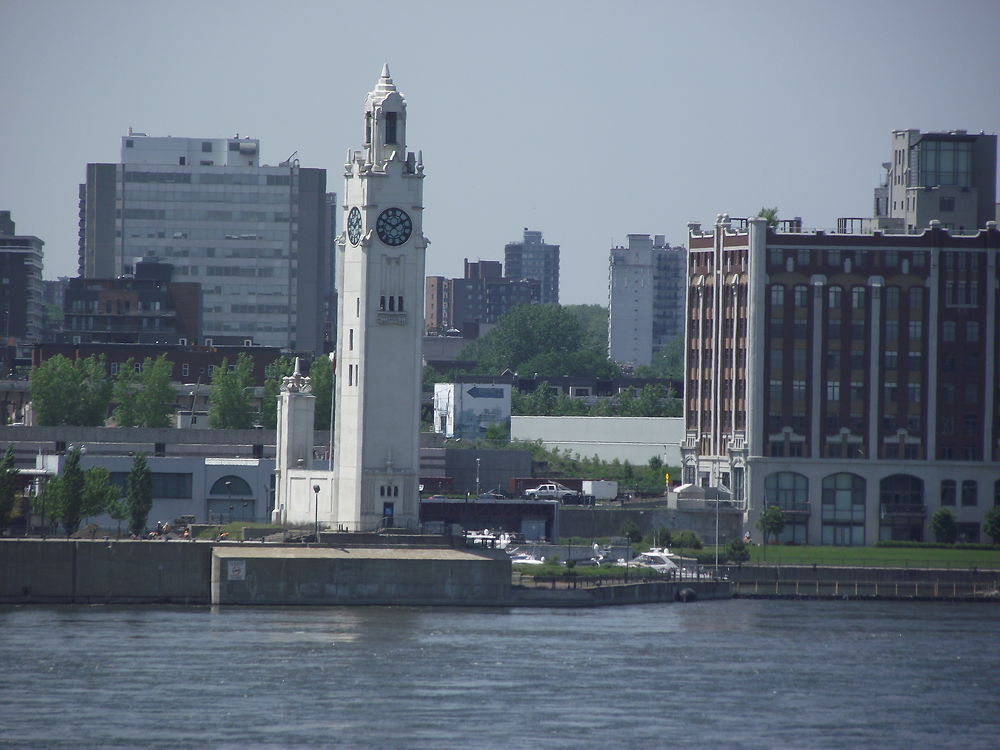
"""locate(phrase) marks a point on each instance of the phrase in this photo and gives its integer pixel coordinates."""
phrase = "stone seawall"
(812, 582)
(627, 593)
(113, 572)
(145, 572)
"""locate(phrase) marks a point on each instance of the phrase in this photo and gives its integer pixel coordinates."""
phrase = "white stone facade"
(380, 273)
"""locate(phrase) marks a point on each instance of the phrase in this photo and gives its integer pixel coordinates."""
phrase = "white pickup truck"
(551, 492)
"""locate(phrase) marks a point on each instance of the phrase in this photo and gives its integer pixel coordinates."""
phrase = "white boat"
(657, 558)
(523, 558)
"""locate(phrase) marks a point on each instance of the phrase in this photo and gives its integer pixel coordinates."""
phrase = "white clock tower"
(380, 272)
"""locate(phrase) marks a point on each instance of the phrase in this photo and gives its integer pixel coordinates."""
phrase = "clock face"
(393, 226)
(354, 226)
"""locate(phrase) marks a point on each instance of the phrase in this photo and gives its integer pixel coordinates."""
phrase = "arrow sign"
(477, 392)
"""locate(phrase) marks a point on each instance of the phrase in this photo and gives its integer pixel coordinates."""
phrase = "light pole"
(316, 515)
(477, 477)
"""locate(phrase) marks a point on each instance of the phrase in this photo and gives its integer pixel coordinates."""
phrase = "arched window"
(381, 490)
(231, 486)
(834, 296)
(892, 298)
(399, 306)
(395, 491)
(948, 492)
(801, 292)
(790, 491)
(901, 489)
(786, 489)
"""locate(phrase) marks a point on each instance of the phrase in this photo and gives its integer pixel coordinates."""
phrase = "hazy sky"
(585, 120)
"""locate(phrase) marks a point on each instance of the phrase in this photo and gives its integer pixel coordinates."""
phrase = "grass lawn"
(877, 557)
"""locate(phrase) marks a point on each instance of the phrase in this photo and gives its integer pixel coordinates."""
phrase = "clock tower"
(380, 272)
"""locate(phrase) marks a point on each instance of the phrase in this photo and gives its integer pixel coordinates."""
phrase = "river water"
(726, 674)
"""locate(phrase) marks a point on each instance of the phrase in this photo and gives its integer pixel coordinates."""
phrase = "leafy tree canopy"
(771, 522)
(771, 214)
(668, 361)
(8, 487)
(139, 494)
(991, 524)
(70, 392)
(231, 407)
(546, 339)
(320, 372)
(145, 398)
(943, 526)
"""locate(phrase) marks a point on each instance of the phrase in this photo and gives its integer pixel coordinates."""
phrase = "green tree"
(497, 433)
(139, 495)
(991, 524)
(8, 487)
(98, 492)
(71, 392)
(593, 320)
(123, 391)
(71, 484)
(667, 362)
(231, 407)
(943, 526)
(118, 510)
(736, 551)
(322, 381)
(685, 539)
(144, 396)
(157, 397)
(630, 530)
(522, 333)
(771, 214)
(771, 522)
(280, 368)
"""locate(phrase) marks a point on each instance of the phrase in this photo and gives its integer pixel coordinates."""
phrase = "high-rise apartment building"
(480, 297)
(950, 177)
(532, 258)
(21, 287)
(646, 287)
(851, 379)
(257, 238)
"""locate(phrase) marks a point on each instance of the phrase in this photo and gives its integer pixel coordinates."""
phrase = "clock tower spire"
(380, 275)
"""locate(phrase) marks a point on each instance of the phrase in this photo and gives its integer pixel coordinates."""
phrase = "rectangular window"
(390, 127)
(948, 331)
(948, 492)
(185, 370)
(832, 390)
(206, 147)
(969, 493)
(972, 331)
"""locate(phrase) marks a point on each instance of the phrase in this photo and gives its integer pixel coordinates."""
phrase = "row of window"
(843, 495)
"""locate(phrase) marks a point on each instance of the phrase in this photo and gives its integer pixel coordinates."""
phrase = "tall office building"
(645, 298)
(950, 177)
(851, 379)
(257, 238)
(532, 258)
(21, 287)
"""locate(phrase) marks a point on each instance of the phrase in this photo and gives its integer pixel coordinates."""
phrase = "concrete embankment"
(819, 582)
(144, 572)
(628, 593)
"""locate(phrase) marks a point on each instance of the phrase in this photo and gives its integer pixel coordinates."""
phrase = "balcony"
(899, 511)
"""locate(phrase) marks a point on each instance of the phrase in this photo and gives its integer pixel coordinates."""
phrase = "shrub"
(736, 551)
(685, 539)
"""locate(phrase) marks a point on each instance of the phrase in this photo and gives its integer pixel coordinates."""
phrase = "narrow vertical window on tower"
(390, 127)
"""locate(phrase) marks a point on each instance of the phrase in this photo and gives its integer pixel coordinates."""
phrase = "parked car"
(492, 495)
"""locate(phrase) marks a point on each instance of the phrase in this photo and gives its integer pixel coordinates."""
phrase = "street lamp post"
(316, 514)
(477, 477)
